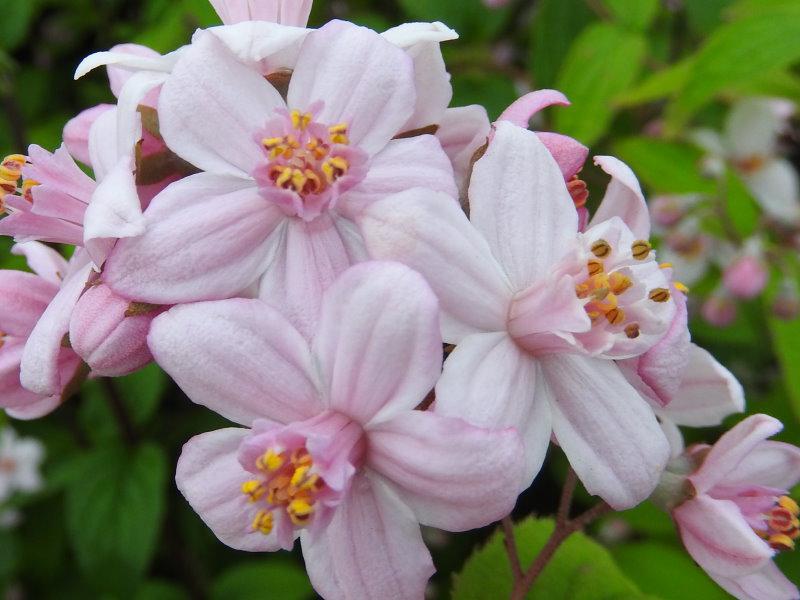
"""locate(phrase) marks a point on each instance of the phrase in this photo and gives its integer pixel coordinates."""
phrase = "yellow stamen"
(619, 283)
(254, 489)
(789, 504)
(615, 316)
(780, 541)
(641, 249)
(632, 331)
(601, 249)
(659, 295)
(263, 522)
(680, 287)
(595, 267)
(300, 120)
(270, 461)
(300, 511)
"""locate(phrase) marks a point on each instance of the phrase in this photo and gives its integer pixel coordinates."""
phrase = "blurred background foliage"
(110, 523)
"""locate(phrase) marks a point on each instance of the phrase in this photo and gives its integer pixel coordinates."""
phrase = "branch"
(511, 548)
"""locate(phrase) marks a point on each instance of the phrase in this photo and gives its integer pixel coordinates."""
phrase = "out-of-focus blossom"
(539, 310)
(333, 452)
(495, 3)
(285, 12)
(35, 366)
(746, 276)
(20, 461)
(786, 304)
(293, 174)
(731, 506)
(719, 309)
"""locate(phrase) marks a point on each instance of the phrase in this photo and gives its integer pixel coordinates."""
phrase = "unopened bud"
(786, 304)
(719, 309)
(746, 277)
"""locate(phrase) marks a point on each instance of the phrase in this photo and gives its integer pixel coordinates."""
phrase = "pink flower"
(334, 451)
(35, 368)
(719, 309)
(291, 177)
(285, 12)
(495, 3)
(738, 513)
(539, 311)
(746, 276)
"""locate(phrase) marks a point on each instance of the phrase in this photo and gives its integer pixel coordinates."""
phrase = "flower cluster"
(20, 459)
(292, 222)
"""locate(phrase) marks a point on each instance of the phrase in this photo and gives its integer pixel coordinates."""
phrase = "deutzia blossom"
(333, 450)
(540, 311)
(20, 460)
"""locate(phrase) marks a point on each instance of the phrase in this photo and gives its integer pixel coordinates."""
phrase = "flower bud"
(109, 332)
(719, 309)
(746, 276)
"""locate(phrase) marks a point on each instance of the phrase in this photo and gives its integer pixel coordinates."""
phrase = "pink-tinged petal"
(673, 434)
(210, 478)
(114, 212)
(776, 186)
(40, 370)
(708, 392)
(767, 583)
(453, 475)
(623, 198)
(770, 464)
(488, 381)
(35, 410)
(718, 537)
(731, 449)
(129, 61)
(285, 12)
(521, 111)
(76, 131)
(23, 299)
(378, 344)
(59, 171)
(25, 226)
(212, 107)
(430, 233)
(263, 46)
(520, 203)
(371, 550)
(608, 432)
(111, 341)
(363, 80)
(308, 259)
(43, 260)
(401, 165)
(568, 152)
(408, 35)
(664, 366)
(12, 394)
(462, 131)
(140, 89)
(240, 358)
(103, 143)
(118, 77)
(206, 237)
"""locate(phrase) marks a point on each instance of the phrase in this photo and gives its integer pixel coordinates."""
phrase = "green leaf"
(114, 509)
(705, 15)
(740, 206)
(284, 579)
(649, 520)
(16, 21)
(665, 167)
(556, 24)
(780, 83)
(666, 571)
(494, 92)
(766, 41)
(160, 590)
(784, 342)
(580, 568)
(470, 18)
(603, 62)
(636, 14)
(659, 85)
(142, 391)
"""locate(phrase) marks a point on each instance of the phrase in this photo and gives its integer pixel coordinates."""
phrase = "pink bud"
(109, 332)
(495, 3)
(745, 277)
(719, 310)
(666, 211)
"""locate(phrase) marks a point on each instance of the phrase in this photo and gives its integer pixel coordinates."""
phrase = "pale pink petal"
(378, 344)
(26, 226)
(206, 237)
(76, 131)
(263, 46)
(707, 394)
(371, 550)
(401, 165)
(717, 536)
(103, 144)
(12, 394)
(35, 410)
(363, 80)
(23, 299)
(488, 381)
(308, 259)
(732, 448)
(40, 370)
(430, 233)
(212, 107)
(140, 89)
(117, 77)
(43, 260)
(453, 475)
(568, 152)
(520, 204)
(771, 464)
(753, 126)
(521, 111)
(462, 131)
(408, 35)
(239, 358)
(608, 432)
(58, 171)
(767, 583)
(285, 12)
(129, 61)
(623, 198)
(777, 188)
(210, 478)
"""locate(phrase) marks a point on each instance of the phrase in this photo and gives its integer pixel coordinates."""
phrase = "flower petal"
(522, 110)
(23, 299)
(76, 131)
(777, 189)
(210, 478)
(462, 130)
(363, 80)
(240, 358)
(453, 475)
(43, 260)
(489, 382)
(767, 583)
(372, 549)
(12, 394)
(608, 432)
(263, 46)
(623, 198)
(520, 204)
(212, 107)
(731, 449)
(568, 152)
(753, 126)
(378, 343)
(117, 76)
(430, 233)
(191, 249)
(718, 537)
(771, 464)
(285, 12)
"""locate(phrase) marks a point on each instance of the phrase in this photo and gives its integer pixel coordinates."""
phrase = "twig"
(565, 504)
(511, 548)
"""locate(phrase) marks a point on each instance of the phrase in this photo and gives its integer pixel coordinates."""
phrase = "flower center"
(11, 179)
(750, 164)
(782, 526)
(7, 465)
